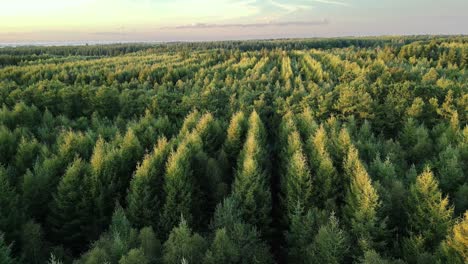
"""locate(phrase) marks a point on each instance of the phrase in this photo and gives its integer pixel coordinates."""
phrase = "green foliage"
(5, 252)
(250, 187)
(454, 249)
(180, 185)
(32, 243)
(287, 151)
(134, 256)
(235, 241)
(71, 210)
(362, 202)
(330, 243)
(182, 244)
(10, 216)
(430, 214)
(146, 195)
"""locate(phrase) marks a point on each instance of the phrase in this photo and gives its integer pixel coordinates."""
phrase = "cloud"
(251, 25)
(289, 7)
(331, 2)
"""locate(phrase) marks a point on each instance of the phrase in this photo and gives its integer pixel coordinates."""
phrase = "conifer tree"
(454, 249)
(429, 213)
(146, 193)
(329, 188)
(210, 133)
(190, 122)
(71, 210)
(251, 185)
(134, 256)
(182, 244)
(330, 243)
(130, 153)
(362, 203)
(180, 186)
(235, 136)
(306, 124)
(10, 214)
(234, 240)
(296, 182)
(5, 252)
(299, 235)
(32, 243)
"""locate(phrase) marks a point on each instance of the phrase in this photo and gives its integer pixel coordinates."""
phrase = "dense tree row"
(287, 151)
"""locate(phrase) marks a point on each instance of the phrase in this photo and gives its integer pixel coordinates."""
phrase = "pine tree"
(297, 181)
(104, 166)
(235, 136)
(210, 133)
(362, 202)
(190, 122)
(222, 250)
(130, 153)
(306, 124)
(32, 243)
(330, 243)
(300, 235)
(10, 214)
(454, 249)
(180, 186)
(134, 256)
(251, 185)
(150, 245)
(183, 244)
(235, 241)
(429, 213)
(146, 194)
(325, 176)
(71, 210)
(5, 252)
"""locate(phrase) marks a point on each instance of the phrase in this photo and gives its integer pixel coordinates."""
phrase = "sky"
(184, 20)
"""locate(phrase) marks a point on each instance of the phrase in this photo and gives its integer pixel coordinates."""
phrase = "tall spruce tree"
(180, 186)
(235, 136)
(146, 194)
(251, 185)
(5, 252)
(183, 245)
(10, 213)
(429, 213)
(361, 204)
(71, 210)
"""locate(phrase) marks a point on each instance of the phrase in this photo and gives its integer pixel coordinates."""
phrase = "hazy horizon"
(28, 21)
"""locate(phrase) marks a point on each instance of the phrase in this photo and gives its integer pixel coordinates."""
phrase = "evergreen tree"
(71, 210)
(251, 185)
(454, 249)
(182, 244)
(330, 244)
(32, 244)
(297, 181)
(130, 153)
(234, 240)
(5, 252)
(362, 203)
(10, 214)
(180, 187)
(429, 214)
(325, 176)
(146, 194)
(300, 235)
(235, 136)
(134, 256)
(150, 245)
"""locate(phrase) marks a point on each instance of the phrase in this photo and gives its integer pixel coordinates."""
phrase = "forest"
(341, 150)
